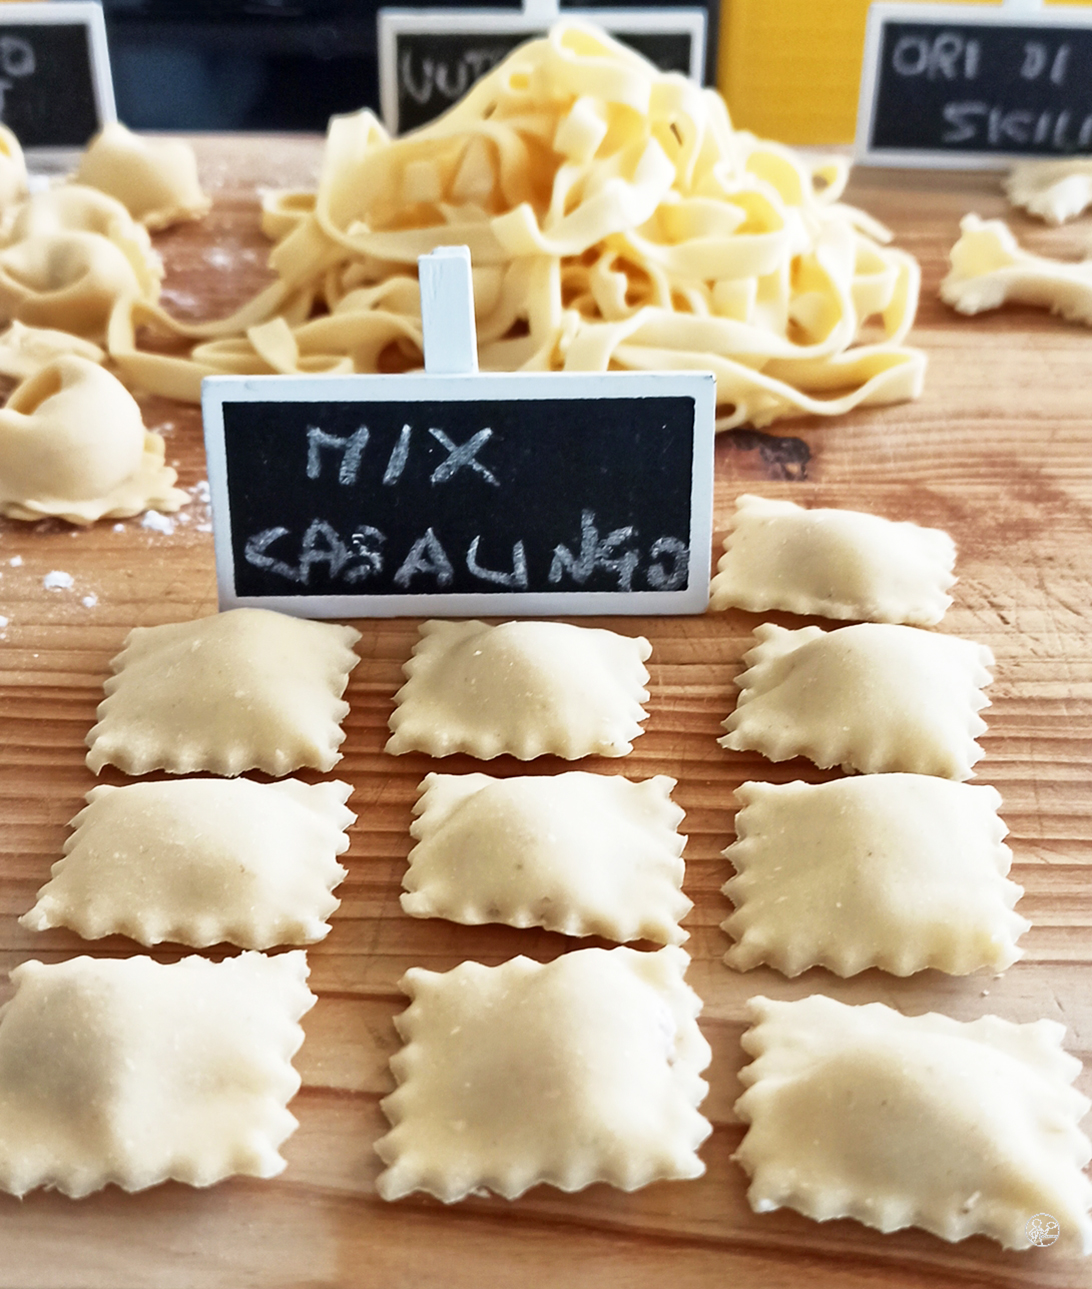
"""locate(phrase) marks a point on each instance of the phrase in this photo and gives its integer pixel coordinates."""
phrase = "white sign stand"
(942, 61)
(81, 13)
(659, 557)
(535, 18)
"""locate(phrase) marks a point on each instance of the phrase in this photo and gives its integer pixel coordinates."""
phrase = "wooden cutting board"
(998, 451)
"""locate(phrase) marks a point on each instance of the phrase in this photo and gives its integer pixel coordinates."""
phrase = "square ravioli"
(962, 1128)
(585, 1069)
(834, 563)
(872, 697)
(583, 854)
(524, 688)
(243, 690)
(897, 871)
(200, 862)
(124, 1070)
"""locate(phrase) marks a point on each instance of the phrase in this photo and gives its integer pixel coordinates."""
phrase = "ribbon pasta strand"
(615, 220)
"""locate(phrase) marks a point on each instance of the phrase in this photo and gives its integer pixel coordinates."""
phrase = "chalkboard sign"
(429, 58)
(350, 496)
(971, 86)
(55, 86)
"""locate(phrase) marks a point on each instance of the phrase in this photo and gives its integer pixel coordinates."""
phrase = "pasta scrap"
(200, 862)
(583, 854)
(837, 563)
(959, 1128)
(575, 1071)
(1056, 191)
(132, 1072)
(896, 871)
(524, 688)
(615, 220)
(989, 269)
(872, 697)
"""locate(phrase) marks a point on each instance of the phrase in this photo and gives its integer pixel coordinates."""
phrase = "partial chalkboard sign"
(55, 85)
(429, 58)
(970, 86)
(352, 496)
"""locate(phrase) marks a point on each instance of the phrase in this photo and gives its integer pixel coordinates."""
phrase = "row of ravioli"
(961, 1128)
(596, 854)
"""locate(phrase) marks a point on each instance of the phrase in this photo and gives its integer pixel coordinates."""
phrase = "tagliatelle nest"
(615, 220)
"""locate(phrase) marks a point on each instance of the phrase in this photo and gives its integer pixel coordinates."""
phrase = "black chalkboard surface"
(956, 85)
(55, 89)
(427, 63)
(365, 495)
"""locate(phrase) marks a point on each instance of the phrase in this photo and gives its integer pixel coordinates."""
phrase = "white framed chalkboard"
(462, 495)
(429, 58)
(975, 86)
(55, 85)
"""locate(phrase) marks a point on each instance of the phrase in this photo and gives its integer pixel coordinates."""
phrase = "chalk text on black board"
(484, 497)
(981, 87)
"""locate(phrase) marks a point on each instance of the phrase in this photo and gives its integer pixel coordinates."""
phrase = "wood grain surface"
(998, 451)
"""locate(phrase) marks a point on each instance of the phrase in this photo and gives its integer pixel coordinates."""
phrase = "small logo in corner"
(1042, 1229)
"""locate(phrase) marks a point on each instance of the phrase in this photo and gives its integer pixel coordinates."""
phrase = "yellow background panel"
(790, 69)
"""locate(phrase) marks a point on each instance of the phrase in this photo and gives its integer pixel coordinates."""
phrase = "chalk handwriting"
(596, 552)
(352, 447)
(462, 454)
(446, 80)
(429, 563)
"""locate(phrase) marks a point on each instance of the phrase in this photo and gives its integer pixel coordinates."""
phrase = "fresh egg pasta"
(615, 220)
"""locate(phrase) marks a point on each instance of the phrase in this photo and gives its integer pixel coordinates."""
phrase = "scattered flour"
(119, 528)
(201, 492)
(89, 601)
(16, 561)
(156, 522)
(58, 581)
(4, 621)
(219, 258)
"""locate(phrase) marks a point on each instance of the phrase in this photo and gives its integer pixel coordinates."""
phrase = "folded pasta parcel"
(962, 1128)
(580, 1070)
(873, 697)
(73, 444)
(129, 1071)
(246, 689)
(524, 688)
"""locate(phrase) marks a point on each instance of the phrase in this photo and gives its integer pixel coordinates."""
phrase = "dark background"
(53, 105)
(629, 460)
(265, 64)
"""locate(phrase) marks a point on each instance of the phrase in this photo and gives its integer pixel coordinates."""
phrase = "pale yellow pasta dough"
(70, 255)
(1056, 191)
(200, 862)
(13, 169)
(132, 1072)
(989, 269)
(25, 350)
(897, 871)
(73, 444)
(960, 1128)
(615, 221)
(583, 854)
(246, 689)
(580, 1070)
(523, 688)
(156, 179)
(837, 563)
(872, 697)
